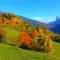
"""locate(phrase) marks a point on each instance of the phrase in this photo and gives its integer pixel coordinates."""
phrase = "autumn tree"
(25, 40)
(34, 36)
(44, 42)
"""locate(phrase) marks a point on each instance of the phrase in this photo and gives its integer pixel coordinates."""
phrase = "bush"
(44, 43)
(57, 39)
(25, 40)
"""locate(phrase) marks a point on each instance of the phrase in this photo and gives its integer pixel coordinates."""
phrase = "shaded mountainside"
(55, 25)
(56, 29)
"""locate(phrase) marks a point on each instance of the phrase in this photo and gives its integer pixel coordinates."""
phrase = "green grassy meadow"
(13, 53)
(8, 52)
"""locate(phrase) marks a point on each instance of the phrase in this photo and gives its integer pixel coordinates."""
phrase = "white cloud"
(44, 20)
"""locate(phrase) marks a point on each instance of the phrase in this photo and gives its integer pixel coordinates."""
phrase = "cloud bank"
(44, 20)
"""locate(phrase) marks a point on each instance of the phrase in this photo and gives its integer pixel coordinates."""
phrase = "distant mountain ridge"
(53, 26)
(34, 22)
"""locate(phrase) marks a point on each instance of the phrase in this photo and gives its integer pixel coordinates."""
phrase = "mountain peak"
(57, 18)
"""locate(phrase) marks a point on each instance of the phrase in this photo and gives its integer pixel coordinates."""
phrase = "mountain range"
(53, 26)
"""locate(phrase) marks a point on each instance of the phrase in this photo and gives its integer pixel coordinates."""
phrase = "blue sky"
(36, 9)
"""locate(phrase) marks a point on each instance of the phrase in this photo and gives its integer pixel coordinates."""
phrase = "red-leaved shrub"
(1, 31)
(25, 39)
(33, 34)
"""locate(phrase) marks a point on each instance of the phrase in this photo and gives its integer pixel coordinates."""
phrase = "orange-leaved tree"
(25, 40)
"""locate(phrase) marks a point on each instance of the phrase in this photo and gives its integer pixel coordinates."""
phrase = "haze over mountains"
(34, 22)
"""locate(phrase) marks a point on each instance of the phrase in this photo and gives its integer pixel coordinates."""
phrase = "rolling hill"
(41, 39)
(12, 53)
(8, 52)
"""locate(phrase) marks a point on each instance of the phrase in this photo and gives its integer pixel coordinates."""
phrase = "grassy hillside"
(57, 49)
(11, 35)
(37, 38)
(12, 53)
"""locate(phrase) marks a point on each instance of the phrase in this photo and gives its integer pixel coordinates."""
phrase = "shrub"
(57, 39)
(25, 40)
(33, 34)
(44, 44)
